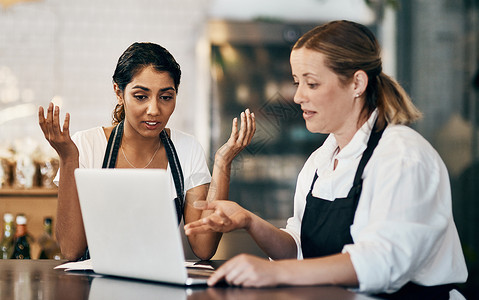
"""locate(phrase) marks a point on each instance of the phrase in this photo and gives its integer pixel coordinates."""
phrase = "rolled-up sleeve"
(400, 223)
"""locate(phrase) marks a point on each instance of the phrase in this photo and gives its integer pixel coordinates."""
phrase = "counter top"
(36, 279)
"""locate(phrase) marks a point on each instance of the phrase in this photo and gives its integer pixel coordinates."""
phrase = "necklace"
(154, 154)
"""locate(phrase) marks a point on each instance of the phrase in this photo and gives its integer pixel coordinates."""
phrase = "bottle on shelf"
(49, 247)
(21, 248)
(7, 239)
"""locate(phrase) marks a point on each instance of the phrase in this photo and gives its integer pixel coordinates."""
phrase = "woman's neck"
(133, 141)
(346, 135)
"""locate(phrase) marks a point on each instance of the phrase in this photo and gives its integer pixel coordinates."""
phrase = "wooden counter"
(36, 279)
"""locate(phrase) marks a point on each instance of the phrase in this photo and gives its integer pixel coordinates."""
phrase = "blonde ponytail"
(393, 103)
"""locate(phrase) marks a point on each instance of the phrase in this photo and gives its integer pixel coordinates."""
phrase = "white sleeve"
(195, 170)
(405, 201)
(91, 146)
(74, 138)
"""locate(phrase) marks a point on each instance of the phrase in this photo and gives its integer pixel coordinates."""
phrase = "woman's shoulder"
(90, 136)
(404, 142)
(91, 144)
(91, 132)
(404, 136)
(179, 137)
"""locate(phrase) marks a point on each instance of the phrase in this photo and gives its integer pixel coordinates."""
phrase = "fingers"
(196, 227)
(248, 128)
(239, 278)
(66, 124)
(253, 125)
(48, 122)
(49, 119)
(204, 205)
(199, 225)
(234, 130)
(242, 131)
(57, 131)
(208, 224)
(236, 271)
(217, 222)
(218, 275)
(41, 120)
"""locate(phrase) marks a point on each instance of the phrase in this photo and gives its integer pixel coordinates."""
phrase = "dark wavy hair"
(135, 58)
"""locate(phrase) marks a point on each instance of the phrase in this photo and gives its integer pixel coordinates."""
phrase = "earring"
(357, 95)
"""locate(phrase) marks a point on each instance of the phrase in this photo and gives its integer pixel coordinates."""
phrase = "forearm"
(276, 243)
(69, 228)
(336, 269)
(204, 245)
(220, 179)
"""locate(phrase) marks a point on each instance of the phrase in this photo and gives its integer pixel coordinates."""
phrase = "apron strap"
(111, 153)
(372, 143)
(176, 171)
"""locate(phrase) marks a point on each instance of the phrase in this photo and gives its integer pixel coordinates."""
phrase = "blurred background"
(234, 54)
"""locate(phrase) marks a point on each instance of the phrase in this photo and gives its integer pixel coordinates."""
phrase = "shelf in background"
(33, 192)
(35, 203)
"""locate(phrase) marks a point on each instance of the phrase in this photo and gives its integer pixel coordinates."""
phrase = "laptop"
(131, 226)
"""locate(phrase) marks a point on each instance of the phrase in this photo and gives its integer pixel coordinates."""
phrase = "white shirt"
(403, 229)
(92, 143)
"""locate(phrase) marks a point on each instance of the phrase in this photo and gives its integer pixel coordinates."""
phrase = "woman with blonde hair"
(372, 208)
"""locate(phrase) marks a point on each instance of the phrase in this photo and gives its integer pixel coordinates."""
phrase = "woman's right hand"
(59, 138)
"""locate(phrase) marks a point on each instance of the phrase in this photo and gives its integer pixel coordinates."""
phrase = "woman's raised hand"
(59, 138)
(227, 216)
(239, 139)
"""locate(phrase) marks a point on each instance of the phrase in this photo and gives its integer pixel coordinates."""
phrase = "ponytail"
(118, 114)
(349, 47)
(393, 103)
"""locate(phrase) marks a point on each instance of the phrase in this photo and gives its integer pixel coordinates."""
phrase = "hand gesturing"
(59, 138)
(227, 216)
(238, 139)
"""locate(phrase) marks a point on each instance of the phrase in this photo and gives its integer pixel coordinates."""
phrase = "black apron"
(325, 228)
(111, 154)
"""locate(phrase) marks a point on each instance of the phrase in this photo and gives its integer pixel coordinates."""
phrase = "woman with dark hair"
(145, 82)
(372, 208)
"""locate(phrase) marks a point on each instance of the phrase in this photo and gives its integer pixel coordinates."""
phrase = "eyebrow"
(304, 75)
(170, 88)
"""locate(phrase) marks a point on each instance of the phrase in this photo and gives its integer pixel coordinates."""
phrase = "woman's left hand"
(226, 216)
(238, 139)
(248, 271)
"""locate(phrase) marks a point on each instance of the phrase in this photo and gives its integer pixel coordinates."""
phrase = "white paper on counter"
(192, 264)
(76, 265)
